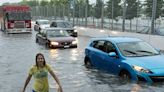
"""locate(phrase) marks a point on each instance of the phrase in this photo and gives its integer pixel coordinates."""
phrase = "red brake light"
(10, 25)
(27, 25)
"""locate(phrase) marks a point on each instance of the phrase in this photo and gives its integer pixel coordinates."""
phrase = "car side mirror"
(112, 54)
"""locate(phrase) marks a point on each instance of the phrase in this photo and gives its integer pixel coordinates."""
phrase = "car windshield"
(136, 49)
(19, 16)
(57, 33)
(64, 24)
(43, 22)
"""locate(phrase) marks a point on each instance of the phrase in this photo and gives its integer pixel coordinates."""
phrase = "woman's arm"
(56, 79)
(26, 83)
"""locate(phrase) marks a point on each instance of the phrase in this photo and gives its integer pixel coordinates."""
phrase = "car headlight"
(141, 69)
(74, 42)
(75, 30)
(54, 43)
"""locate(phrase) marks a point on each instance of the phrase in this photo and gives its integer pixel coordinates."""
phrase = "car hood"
(62, 39)
(148, 62)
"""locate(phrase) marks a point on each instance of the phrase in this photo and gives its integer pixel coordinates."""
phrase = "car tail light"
(10, 25)
(27, 25)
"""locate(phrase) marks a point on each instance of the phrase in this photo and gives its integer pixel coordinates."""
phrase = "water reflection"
(74, 54)
(136, 88)
(101, 77)
(53, 53)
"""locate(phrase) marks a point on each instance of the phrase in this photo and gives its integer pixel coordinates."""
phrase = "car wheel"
(125, 75)
(87, 63)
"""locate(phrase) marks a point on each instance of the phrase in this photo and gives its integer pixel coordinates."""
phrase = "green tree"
(98, 8)
(44, 3)
(117, 10)
(148, 8)
(132, 10)
(80, 6)
(30, 3)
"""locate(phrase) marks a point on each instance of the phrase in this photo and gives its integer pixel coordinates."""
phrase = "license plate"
(66, 46)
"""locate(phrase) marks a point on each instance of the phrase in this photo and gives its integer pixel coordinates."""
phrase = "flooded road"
(18, 54)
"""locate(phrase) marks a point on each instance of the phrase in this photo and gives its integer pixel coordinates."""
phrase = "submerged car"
(56, 38)
(127, 57)
(66, 26)
(41, 24)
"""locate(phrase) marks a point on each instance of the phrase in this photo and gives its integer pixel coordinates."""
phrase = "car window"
(37, 23)
(53, 24)
(67, 24)
(42, 32)
(99, 45)
(109, 47)
(136, 49)
(61, 24)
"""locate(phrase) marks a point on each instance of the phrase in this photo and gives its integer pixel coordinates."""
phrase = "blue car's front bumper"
(156, 76)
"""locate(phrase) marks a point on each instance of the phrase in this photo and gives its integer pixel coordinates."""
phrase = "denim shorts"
(33, 91)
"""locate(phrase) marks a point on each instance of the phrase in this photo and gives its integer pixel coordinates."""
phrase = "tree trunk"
(130, 25)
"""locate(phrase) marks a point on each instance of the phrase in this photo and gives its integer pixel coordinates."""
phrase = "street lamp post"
(124, 14)
(86, 12)
(102, 14)
(153, 15)
(112, 12)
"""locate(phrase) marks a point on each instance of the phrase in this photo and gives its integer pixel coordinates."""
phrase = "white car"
(41, 24)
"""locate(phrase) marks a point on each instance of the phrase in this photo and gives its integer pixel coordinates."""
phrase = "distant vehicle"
(41, 24)
(157, 31)
(129, 58)
(15, 18)
(56, 38)
(66, 26)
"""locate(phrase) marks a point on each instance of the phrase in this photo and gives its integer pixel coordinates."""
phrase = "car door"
(112, 63)
(97, 55)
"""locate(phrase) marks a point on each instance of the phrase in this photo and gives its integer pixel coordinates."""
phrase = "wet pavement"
(18, 54)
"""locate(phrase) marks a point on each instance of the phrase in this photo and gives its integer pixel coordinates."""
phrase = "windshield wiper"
(131, 52)
(147, 52)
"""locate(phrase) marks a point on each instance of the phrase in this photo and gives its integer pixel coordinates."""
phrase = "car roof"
(118, 39)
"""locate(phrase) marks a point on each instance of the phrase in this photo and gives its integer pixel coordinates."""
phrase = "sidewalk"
(154, 40)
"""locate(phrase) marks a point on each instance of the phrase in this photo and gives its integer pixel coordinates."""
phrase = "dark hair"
(43, 59)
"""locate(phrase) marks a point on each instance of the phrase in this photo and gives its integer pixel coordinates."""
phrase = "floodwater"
(17, 54)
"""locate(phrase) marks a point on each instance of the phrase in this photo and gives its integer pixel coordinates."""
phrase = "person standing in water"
(40, 74)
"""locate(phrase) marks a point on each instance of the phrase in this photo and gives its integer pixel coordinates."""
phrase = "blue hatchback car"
(127, 57)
